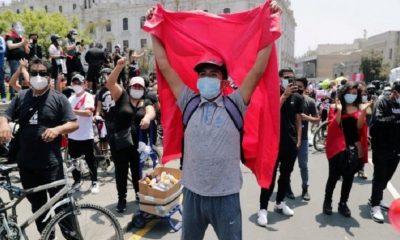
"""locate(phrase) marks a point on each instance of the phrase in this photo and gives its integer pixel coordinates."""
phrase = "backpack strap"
(190, 108)
(233, 112)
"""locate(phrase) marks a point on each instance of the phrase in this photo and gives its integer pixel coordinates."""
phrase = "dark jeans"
(334, 175)
(31, 178)
(79, 148)
(2, 85)
(73, 65)
(286, 159)
(124, 159)
(14, 64)
(223, 213)
(385, 164)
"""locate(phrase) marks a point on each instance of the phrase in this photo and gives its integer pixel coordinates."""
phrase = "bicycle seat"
(6, 169)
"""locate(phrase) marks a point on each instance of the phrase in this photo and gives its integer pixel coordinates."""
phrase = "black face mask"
(34, 41)
(300, 92)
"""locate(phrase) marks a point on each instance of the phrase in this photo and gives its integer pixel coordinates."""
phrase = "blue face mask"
(364, 99)
(350, 98)
(209, 87)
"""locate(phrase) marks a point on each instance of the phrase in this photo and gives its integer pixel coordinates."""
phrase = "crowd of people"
(48, 107)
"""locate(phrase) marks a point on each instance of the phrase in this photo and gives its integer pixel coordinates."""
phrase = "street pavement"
(308, 221)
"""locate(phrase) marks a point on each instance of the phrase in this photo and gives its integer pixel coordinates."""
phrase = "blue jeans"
(223, 213)
(303, 162)
(2, 85)
(14, 64)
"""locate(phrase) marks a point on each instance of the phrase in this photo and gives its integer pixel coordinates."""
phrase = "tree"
(372, 67)
(40, 22)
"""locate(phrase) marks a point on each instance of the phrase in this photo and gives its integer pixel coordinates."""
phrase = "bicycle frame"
(20, 194)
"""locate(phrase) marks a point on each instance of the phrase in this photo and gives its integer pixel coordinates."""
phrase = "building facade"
(112, 22)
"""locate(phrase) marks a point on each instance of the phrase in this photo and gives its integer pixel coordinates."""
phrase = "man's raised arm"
(173, 79)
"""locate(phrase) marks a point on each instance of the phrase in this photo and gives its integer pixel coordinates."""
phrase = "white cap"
(136, 80)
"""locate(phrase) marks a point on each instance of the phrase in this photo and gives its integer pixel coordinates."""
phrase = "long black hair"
(345, 89)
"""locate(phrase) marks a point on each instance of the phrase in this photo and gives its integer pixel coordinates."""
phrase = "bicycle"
(85, 221)
(320, 134)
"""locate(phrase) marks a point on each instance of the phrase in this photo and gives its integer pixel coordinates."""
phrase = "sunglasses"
(40, 73)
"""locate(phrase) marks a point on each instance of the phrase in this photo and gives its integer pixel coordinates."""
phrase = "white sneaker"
(95, 188)
(262, 219)
(283, 208)
(4, 100)
(376, 214)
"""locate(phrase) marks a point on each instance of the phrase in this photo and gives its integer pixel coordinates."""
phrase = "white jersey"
(85, 130)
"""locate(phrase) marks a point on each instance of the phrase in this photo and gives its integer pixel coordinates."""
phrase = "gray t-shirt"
(211, 165)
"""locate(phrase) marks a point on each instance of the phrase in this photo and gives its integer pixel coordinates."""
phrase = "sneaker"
(382, 204)
(290, 195)
(95, 188)
(327, 208)
(262, 219)
(361, 174)
(305, 195)
(284, 209)
(137, 197)
(121, 206)
(344, 210)
(4, 100)
(76, 185)
(376, 214)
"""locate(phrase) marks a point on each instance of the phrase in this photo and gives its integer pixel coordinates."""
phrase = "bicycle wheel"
(89, 221)
(320, 137)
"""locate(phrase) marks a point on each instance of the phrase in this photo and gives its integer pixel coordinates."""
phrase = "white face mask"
(284, 82)
(136, 94)
(77, 89)
(364, 99)
(39, 83)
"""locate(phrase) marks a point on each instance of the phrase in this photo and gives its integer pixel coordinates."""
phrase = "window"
(390, 53)
(108, 25)
(85, 5)
(17, 11)
(45, 8)
(205, 10)
(227, 10)
(143, 43)
(125, 24)
(74, 6)
(60, 9)
(31, 7)
(142, 20)
(125, 44)
(109, 46)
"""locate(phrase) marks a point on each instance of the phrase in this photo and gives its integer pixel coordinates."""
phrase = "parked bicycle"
(75, 221)
(320, 134)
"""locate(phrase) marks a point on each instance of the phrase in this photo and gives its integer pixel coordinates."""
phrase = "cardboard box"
(160, 210)
(159, 201)
(146, 190)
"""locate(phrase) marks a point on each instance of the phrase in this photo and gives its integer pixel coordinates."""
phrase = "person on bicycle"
(385, 133)
(80, 142)
(310, 114)
(347, 131)
(132, 113)
(43, 115)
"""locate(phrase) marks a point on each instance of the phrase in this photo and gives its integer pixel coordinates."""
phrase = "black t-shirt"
(309, 109)
(126, 115)
(107, 105)
(292, 106)
(16, 53)
(95, 56)
(53, 109)
(350, 130)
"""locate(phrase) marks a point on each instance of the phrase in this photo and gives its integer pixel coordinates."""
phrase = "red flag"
(335, 141)
(237, 38)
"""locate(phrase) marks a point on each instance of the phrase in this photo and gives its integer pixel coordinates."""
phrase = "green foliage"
(371, 66)
(43, 23)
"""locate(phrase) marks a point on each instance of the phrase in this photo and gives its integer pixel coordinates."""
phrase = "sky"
(341, 21)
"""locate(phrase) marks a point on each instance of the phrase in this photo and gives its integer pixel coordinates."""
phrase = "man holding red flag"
(211, 168)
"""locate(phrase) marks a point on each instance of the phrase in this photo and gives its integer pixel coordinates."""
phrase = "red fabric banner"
(236, 38)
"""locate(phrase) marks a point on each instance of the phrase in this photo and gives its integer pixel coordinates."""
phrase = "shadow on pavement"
(337, 220)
